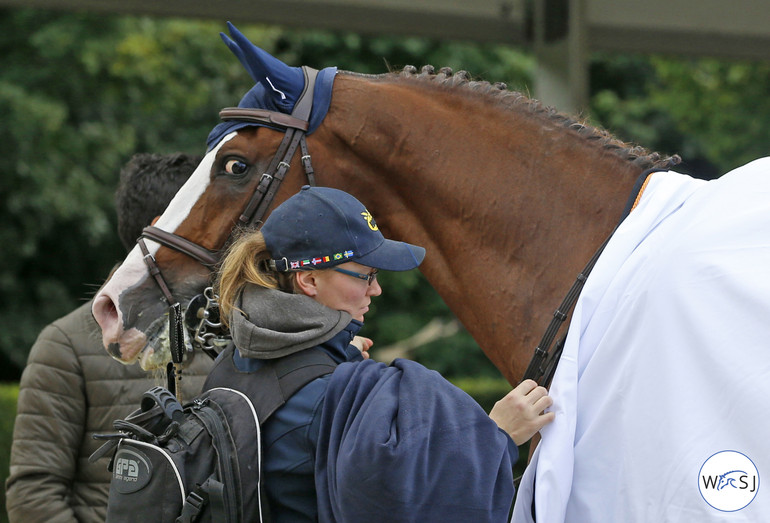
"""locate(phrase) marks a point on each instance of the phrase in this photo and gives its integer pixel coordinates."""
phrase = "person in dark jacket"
(71, 388)
(305, 281)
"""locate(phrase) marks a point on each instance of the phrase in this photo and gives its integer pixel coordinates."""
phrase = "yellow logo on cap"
(370, 220)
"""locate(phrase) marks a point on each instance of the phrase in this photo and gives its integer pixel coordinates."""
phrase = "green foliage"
(485, 390)
(81, 93)
(374, 55)
(392, 315)
(9, 393)
(79, 99)
(456, 356)
(712, 113)
(621, 102)
(724, 104)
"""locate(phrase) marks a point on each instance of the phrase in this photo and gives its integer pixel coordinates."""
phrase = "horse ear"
(283, 83)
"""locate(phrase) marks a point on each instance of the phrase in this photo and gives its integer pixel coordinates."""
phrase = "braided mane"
(499, 92)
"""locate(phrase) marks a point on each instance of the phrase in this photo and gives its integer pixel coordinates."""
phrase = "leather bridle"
(294, 126)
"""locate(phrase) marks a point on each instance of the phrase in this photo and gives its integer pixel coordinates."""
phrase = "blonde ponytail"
(243, 263)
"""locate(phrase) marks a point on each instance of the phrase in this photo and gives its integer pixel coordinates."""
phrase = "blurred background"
(82, 91)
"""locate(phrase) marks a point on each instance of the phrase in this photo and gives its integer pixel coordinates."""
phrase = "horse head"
(186, 241)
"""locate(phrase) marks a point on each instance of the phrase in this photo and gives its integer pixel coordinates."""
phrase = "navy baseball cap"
(320, 227)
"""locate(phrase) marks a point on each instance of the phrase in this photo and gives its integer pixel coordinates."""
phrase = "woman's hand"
(520, 412)
(362, 344)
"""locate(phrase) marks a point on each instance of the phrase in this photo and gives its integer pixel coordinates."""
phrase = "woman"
(305, 281)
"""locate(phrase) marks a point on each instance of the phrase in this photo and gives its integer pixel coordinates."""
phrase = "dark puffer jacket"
(70, 390)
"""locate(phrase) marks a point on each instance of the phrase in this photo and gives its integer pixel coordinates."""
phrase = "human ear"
(306, 283)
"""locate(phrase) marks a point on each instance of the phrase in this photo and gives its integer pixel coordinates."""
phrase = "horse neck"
(509, 204)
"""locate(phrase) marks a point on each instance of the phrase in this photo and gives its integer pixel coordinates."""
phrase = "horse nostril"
(114, 350)
(106, 315)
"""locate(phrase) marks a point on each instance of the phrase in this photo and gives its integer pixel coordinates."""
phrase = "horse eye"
(236, 167)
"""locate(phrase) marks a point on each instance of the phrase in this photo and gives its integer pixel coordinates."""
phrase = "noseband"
(294, 127)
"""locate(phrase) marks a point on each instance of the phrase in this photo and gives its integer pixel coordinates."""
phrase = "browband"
(263, 116)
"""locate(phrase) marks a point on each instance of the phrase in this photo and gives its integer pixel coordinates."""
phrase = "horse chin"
(128, 349)
(157, 351)
(152, 359)
(151, 350)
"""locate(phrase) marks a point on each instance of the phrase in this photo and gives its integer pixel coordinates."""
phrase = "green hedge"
(486, 391)
(9, 392)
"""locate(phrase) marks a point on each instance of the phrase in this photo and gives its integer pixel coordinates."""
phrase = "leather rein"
(542, 366)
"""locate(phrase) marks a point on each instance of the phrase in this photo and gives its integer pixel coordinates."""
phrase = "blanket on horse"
(400, 443)
(659, 391)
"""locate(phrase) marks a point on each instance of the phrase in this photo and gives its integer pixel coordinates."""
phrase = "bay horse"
(509, 197)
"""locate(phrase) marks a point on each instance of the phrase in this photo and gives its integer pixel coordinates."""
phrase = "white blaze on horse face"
(127, 343)
(188, 195)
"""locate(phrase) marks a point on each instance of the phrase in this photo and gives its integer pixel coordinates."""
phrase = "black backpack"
(202, 461)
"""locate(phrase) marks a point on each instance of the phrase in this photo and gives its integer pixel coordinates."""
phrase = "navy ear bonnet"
(278, 86)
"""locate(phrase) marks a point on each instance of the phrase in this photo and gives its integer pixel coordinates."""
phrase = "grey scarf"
(274, 323)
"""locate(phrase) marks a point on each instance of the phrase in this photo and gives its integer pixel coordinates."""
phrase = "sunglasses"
(370, 277)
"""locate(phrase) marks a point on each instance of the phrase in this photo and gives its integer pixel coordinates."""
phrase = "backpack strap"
(211, 492)
(274, 382)
(297, 370)
(215, 490)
